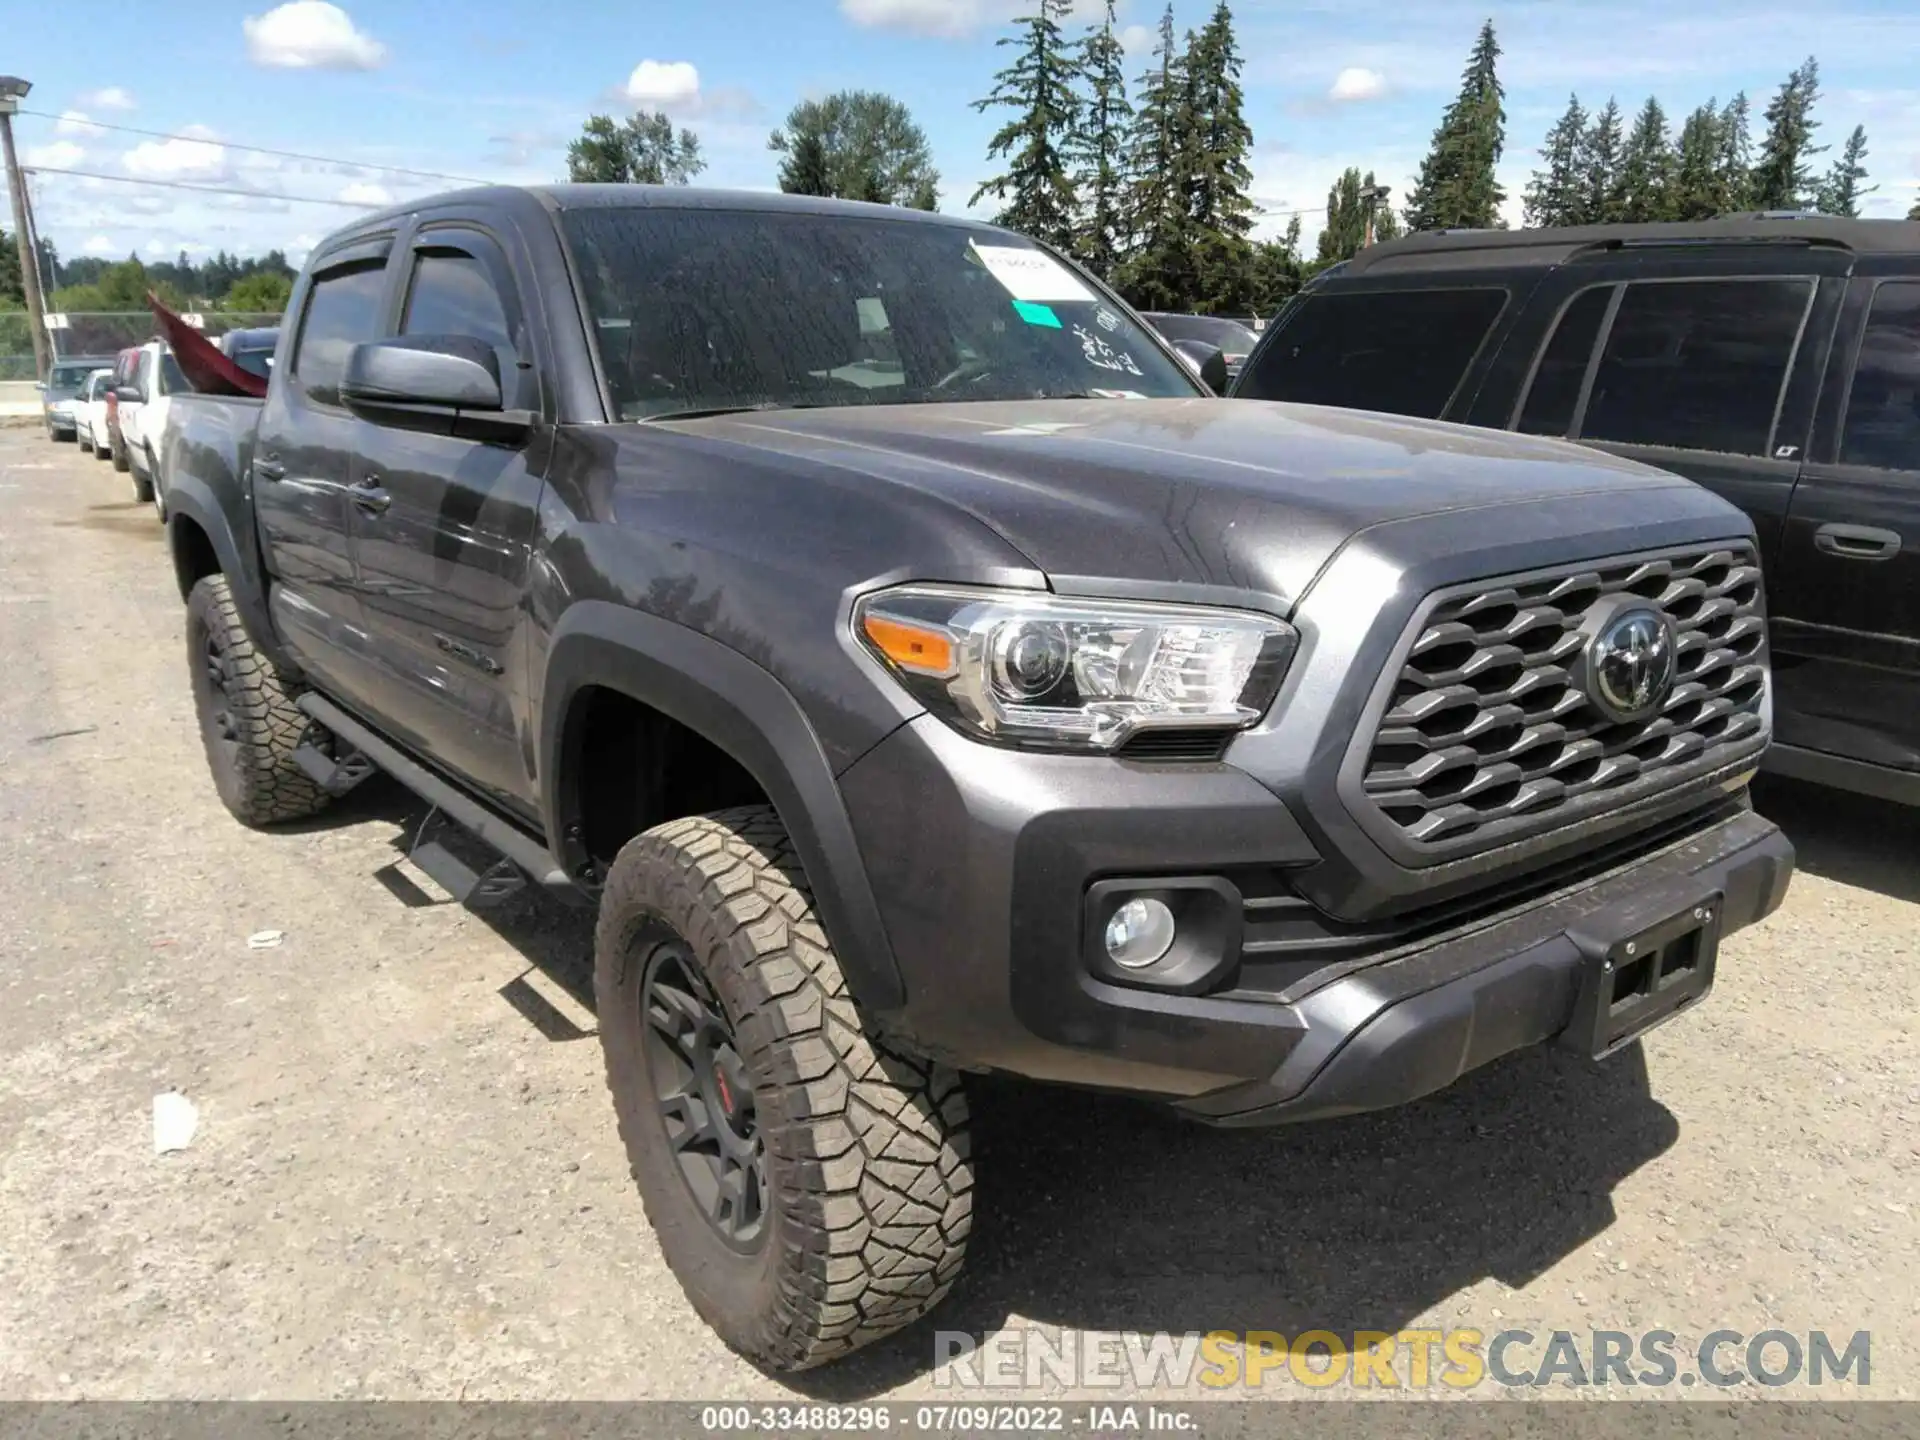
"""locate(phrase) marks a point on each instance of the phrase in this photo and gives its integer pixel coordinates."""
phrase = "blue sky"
(492, 89)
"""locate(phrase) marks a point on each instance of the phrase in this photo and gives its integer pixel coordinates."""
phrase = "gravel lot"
(405, 1181)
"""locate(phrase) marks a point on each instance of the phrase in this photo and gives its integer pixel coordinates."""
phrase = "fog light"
(1140, 932)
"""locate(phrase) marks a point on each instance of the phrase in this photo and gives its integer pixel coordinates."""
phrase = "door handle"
(1857, 542)
(267, 467)
(370, 496)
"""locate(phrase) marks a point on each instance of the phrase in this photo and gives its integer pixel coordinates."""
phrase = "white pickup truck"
(143, 403)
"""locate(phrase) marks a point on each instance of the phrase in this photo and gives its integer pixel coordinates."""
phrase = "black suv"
(1774, 359)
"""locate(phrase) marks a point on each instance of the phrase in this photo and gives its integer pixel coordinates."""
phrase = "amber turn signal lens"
(911, 647)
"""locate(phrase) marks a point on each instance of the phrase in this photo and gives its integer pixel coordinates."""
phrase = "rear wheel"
(248, 721)
(812, 1189)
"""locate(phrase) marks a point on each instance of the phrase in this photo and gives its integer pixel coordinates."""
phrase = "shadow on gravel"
(1106, 1215)
(1853, 839)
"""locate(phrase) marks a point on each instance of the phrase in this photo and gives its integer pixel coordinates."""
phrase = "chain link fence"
(103, 333)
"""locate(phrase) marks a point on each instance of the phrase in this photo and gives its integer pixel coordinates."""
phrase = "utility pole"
(1374, 198)
(12, 91)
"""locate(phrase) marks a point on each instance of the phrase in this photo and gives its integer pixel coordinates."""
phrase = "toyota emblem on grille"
(1630, 659)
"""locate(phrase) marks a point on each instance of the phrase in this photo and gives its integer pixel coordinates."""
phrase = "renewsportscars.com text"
(1463, 1359)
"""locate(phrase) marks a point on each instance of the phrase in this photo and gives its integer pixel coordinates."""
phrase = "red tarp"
(206, 369)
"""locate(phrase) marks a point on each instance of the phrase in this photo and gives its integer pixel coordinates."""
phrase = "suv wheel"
(248, 721)
(159, 491)
(812, 1189)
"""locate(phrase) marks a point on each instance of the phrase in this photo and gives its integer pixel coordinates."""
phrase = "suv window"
(452, 294)
(1400, 351)
(1563, 365)
(343, 309)
(1883, 410)
(1697, 364)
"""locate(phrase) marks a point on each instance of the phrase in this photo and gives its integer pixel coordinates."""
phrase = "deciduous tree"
(857, 145)
(645, 150)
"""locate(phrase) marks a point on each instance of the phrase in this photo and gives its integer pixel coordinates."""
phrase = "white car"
(90, 413)
(143, 406)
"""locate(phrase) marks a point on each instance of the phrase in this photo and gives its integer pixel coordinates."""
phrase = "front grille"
(1488, 734)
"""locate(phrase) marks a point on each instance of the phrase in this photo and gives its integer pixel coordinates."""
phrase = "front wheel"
(248, 721)
(118, 452)
(811, 1188)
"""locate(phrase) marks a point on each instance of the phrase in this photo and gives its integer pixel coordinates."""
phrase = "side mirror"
(454, 372)
(128, 394)
(1206, 361)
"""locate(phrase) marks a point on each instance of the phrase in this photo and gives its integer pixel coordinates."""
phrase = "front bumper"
(61, 422)
(984, 862)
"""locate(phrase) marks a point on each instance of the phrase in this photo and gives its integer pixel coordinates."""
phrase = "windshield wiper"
(704, 412)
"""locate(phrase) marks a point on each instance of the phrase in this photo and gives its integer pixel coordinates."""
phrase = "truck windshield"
(710, 310)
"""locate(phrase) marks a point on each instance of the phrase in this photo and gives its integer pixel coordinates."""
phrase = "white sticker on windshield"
(1031, 274)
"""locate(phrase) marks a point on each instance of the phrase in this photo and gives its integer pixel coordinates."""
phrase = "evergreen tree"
(1456, 186)
(1160, 274)
(1733, 177)
(644, 151)
(1553, 195)
(1602, 189)
(1782, 179)
(857, 145)
(1036, 194)
(13, 290)
(1099, 151)
(1914, 213)
(1219, 142)
(1646, 166)
(1696, 167)
(1840, 193)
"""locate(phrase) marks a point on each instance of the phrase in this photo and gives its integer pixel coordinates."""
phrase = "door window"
(1883, 409)
(1563, 365)
(1697, 364)
(1400, 351)
(453, 294)
(343, 310)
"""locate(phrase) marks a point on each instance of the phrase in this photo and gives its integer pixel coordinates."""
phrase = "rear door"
(304, 463)
(442, 525)
(1848, 578)
(1705, 364)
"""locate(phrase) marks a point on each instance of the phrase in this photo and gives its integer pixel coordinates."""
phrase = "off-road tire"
(254, 771)
(869, 1173)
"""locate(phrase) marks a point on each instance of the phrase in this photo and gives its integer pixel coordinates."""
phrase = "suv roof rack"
(1464, 249)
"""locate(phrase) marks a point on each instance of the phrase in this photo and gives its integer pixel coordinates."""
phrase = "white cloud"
(663, 83)
(1138, 39)
(111, 97)
(194, 155)
(75, 122)
(1358, 83)
(55, 155)
(99, 245)
(310, 35)
(941, 18)
(363, 193)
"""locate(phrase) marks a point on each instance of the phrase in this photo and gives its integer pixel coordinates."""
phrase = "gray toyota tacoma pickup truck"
(925, 676)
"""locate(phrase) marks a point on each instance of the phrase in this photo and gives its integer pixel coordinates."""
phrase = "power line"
(201, 189)
(261, 149)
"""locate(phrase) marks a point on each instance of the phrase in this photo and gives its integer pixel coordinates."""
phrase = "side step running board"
(511, 841)
(475, 888)
(336, 777)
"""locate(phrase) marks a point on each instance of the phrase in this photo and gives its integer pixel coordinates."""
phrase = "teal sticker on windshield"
(1036, 314)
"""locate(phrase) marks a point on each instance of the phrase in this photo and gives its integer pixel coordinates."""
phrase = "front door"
(1849, 571)
(442, 524)
(303, 465)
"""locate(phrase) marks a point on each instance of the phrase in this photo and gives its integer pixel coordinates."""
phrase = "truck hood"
(1252, 495)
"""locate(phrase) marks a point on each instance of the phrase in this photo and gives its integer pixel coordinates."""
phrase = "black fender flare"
(191, 501)
(722, 695)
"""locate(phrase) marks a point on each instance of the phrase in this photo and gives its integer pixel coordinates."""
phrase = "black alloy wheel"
(702, 1093)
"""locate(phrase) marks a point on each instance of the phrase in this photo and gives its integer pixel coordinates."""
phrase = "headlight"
(1038, 670)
